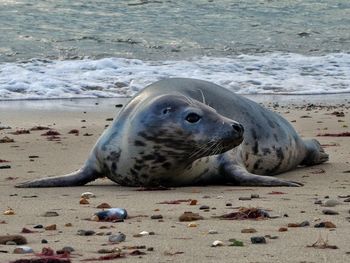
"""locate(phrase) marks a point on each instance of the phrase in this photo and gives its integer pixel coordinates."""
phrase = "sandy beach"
(33, 156)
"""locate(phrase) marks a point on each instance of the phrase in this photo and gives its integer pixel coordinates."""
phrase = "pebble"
(103, 206)
(326, 224)
(217, 243)
(347, 200)
(244, 198)
(189, 216)
(23, 250)
(204, 207)
(82, 232)
(318, 202)
(156, 217)
(254, 196)
(329, 212)
(248, 230)
(51, 227)
(117, 238)
(144, 233)
(212, 232)
(258, 240)
(44, 241)
(192, 225)
(11, 243)
(50, 214)
(331, 203)
(9, 212)
(83, 201)
(64, 250)
(282, 229)
(38, 226)
(109, 251)
(228, 204)
(193, 202)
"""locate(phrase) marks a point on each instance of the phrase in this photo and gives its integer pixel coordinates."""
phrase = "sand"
(173, 241)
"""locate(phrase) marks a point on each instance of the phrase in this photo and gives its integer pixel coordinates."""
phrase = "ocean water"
(90, 48)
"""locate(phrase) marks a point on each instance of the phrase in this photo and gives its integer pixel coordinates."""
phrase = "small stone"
(87, 195)
(44, 241)
(282, 229)
(117, 238)
(50, 214)
(11, 243)
(144, 233)
(217, 243)
(254, 196)
(347, 200)
(204, 207)
(258, 240)
(51, 227)
(326, 224)
(9, 212)
(318, 202)
(82, 232)
(331, 203)
(192, 225)
(329, 212)
(189, 216)
(38, 226)
(68, 225)
(156, 217)
(84, 201)
(103, 206)
(304, 223)
(65, 250)
(244, 198)
(212, 232)
(248, 230)
(193, 202)
(23, 250)
(150, 249)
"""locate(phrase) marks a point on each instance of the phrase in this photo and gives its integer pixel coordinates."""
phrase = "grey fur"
(151, 143)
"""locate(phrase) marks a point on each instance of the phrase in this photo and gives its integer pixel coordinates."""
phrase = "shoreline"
(33, 156)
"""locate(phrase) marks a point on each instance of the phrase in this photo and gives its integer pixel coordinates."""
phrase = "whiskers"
(213, 147)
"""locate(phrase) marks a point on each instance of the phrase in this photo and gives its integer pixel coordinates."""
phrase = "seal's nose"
(238, 128)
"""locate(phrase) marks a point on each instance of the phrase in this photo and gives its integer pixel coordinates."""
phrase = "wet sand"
(33, 156)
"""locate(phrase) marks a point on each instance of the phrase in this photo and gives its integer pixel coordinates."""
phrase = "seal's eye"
(166, 110)
(193, 117)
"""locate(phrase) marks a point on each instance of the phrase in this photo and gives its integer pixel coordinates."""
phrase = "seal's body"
(179, 132)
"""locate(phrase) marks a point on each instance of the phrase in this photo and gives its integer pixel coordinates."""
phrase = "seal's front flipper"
(238, 175)
(80, 177)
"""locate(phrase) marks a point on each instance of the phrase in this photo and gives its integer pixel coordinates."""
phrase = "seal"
(179, 132)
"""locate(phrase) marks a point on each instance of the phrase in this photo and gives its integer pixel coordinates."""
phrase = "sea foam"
(276, 73)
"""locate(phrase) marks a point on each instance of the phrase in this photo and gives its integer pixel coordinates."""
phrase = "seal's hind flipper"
(315, 154)
(80, 177)
(238, 175)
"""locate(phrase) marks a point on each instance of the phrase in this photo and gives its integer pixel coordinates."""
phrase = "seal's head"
(185, 128)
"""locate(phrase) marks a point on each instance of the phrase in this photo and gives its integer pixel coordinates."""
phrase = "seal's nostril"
(238, 128)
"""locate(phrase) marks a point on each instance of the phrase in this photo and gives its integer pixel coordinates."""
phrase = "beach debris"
(189, 216)
(23, 250)
(6, 140)
(109, 250)
(212, 232)
(248, 230)
(4, 161)
(331, 203)
(258, 240)
(44, 241)
(276, 193)
(20, 131)
(87, 195)
(109, 119)
(244, 198)
(112, 215)
(9, 211)
(235, 243)
(325, 224)
(27, 231)
(175, 202)
(318, 202)
(170, 253)
(65, 250)
(282, 229)
(50, 214)
(39, 128)
(107, 257)
(120, 237)
(103, 206)
(51, 133)
(322, 244)
(156, 217)
(302, 224)
(192, 224)
(204, 207)
(329, 212)
(74, 131)
(119, 105)
(17, 239)
(271, 237)
(254, 196)
(340, 134)
(228, 204)
(5, 166)
(87, 134)
(51, 227)
(246, 213)
(82, 232)
(217, 243)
